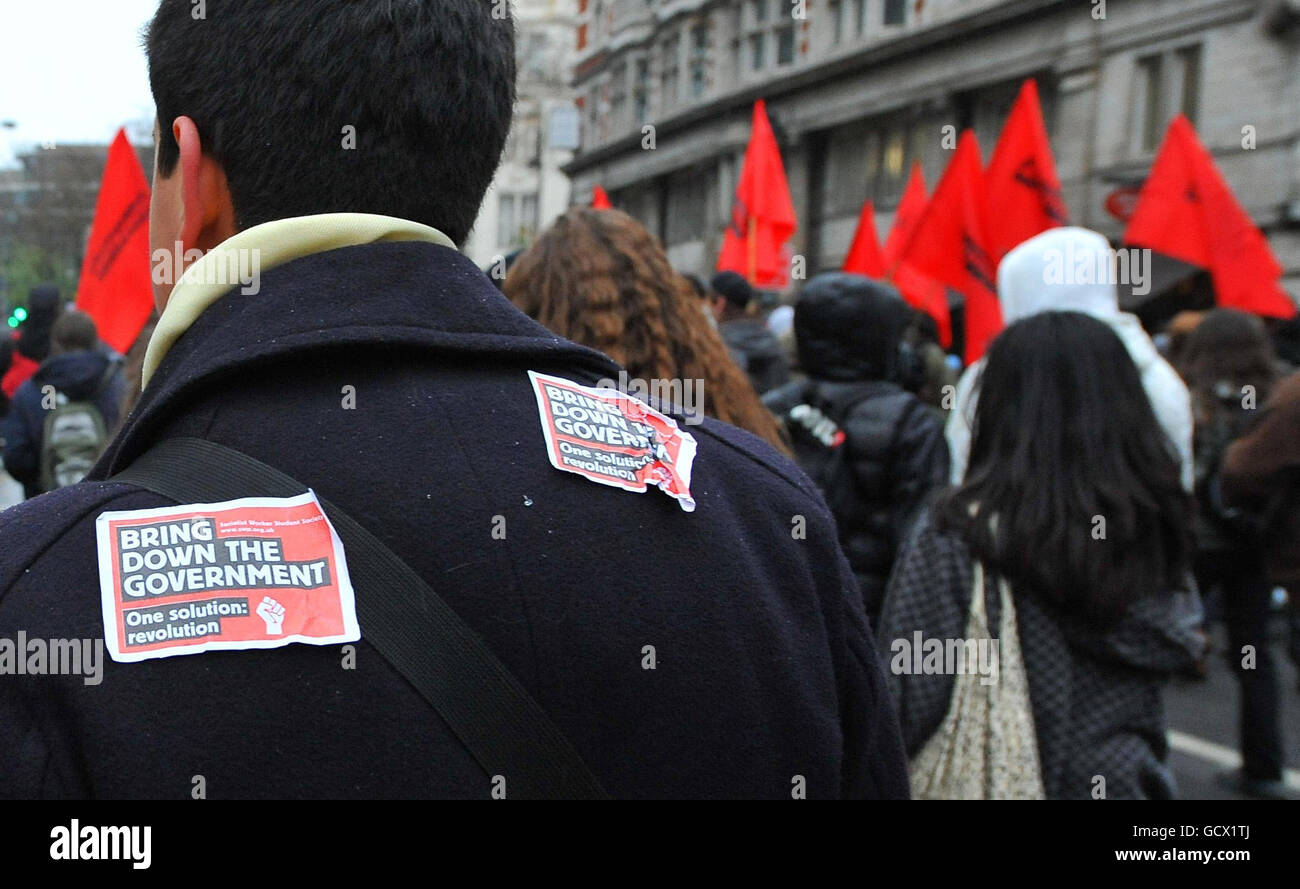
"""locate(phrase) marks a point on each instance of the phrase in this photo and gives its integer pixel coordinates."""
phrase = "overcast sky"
(71, 71)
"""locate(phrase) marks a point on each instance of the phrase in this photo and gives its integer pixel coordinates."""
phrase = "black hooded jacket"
(891, 448)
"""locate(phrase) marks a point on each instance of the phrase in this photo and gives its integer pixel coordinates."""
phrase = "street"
(1202, 720)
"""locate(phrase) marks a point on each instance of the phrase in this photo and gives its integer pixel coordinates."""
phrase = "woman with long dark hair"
(1230, 369)
(1072, 509)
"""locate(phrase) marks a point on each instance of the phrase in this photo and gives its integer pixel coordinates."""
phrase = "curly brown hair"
(598, 278)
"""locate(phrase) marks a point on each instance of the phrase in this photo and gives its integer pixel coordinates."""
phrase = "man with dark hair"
(753, 346)
(294, 130)
(341, 149)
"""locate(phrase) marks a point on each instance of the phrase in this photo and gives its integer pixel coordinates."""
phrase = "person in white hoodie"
(1050, 272)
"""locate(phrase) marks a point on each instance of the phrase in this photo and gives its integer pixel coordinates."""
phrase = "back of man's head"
(733, 287)
(74, 331)
(395, 107)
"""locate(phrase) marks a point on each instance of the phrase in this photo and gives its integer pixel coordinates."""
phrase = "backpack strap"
(105, 381)
(405, 620)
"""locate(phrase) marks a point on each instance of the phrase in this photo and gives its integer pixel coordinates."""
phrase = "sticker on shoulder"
(259, 572)
(614, 439)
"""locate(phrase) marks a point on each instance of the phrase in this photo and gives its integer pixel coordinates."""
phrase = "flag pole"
(752, 237)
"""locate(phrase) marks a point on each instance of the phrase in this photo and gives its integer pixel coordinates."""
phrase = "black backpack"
(820, 444)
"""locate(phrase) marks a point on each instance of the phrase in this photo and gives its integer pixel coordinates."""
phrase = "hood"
(77, 375)
(1063, 269)
(848, 328)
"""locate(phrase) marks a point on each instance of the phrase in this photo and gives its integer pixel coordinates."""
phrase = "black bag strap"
(405, 620)
(106, 380)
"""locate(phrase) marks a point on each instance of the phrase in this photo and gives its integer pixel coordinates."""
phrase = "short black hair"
(428, 86)
(733, 287)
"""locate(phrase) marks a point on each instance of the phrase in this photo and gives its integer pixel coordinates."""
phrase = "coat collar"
(262, 248)
(413, 294)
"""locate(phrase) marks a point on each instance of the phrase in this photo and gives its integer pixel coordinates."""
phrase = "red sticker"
(261, 572)
(614, 439)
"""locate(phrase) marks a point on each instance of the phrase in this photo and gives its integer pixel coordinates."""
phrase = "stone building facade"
(859, 89)
(530, 189)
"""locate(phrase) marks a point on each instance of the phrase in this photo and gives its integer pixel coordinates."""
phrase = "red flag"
(762, 216)
(864, 256)
(907, 215)
(950, 244)
(928, 295)
(115, 287)
(599, 199)
(1187, 211)
(1024, 192)
(920, 291)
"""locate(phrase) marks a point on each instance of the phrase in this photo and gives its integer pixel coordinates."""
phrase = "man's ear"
(208, 213)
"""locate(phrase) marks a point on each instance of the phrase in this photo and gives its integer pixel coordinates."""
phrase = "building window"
(592, 137)
(528, 216)
(699, 60)
(618, 97)
(859, 17)
(506, 230)
(1166, 84)
(641, 92)
(688, 201)
(836, 9)
(1150, 102)
(669, 72)
(785, 45)
(764, 24)
(895, 12)
(895, 157)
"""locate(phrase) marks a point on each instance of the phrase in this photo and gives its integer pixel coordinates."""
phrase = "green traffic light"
(21, 314)
(13, 322)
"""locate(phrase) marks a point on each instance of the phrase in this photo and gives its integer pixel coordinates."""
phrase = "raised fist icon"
(272, 612)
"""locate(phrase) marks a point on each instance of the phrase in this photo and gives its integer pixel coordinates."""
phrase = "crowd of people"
(876, 574)
(1073, 469)
(1111, 489)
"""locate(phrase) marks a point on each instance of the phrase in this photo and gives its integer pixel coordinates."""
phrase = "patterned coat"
(1095, 694)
